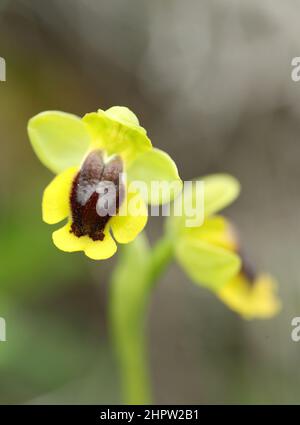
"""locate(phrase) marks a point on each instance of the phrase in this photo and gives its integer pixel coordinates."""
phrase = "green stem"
(161, 256)
(134, 278)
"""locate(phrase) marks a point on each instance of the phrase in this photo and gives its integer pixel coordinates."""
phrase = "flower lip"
(96, 195)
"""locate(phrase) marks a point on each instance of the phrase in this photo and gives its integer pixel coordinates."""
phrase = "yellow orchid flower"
(84, 153)
(210, 254)
(205, 251)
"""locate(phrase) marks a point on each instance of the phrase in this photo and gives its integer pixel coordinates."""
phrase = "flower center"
(96, 195)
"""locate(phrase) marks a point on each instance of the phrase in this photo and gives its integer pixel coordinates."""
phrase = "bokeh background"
(210, 80)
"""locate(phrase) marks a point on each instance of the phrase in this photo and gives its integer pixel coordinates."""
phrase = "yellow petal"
(60, 140)
(252, 300)
(97, 250)
(206, 264)
(55, 205)
(66, 241)
(131, 220)
(101, 250)
(123, 115)
(215, 230)
(160, 175)
(117, 134)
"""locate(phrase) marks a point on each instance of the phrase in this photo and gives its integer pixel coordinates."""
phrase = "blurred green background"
(210, 80)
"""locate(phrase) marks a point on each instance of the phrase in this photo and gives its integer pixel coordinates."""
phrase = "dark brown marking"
(84, 195)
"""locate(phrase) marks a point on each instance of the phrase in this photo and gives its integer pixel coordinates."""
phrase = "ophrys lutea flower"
(199, 248)
(88, 154)
(210, 254)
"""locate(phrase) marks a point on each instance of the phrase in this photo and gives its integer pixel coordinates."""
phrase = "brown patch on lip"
(84, 196)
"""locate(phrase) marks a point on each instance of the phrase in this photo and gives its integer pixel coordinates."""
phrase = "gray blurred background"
(210, 80)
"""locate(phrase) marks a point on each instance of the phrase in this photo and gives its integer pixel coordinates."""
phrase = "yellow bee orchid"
(84, 153)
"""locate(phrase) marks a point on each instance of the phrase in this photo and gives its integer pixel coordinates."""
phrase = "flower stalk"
(132, 283)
